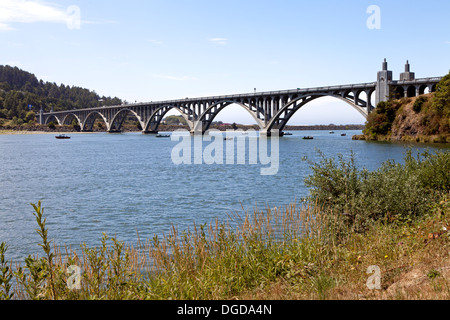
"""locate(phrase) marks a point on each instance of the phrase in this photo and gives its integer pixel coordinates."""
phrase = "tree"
(5, 86)
(441, 101)
(3, 113)
(51, 125)
(30, 116)
(19, 88)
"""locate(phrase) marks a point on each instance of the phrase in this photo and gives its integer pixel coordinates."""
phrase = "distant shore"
(41, 129)
(17, 132)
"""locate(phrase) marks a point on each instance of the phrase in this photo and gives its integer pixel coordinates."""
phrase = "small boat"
(331, 132)
(308, 138)
(343, 134)
(288, 134)
(62, 136)
(159, 135)
(228, 138)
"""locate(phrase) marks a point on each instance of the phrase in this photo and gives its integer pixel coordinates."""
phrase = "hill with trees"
(22, 95)
(425, 118)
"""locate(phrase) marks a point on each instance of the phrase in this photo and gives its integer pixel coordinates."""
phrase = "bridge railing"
(416, 81)
(256, 94)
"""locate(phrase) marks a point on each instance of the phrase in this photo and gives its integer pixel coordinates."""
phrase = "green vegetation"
(417, 107)
(400, 192)
(413, 118)
(175, 120)
(380, 120)
(441, 102)
(306, 251)
(20, 89)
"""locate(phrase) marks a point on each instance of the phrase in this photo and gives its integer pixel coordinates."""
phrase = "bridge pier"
(274, 133)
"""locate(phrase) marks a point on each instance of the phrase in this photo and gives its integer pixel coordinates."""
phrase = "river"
(127, 185)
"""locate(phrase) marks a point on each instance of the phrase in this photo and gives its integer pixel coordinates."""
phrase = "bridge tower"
(384, 78)
(407, 75)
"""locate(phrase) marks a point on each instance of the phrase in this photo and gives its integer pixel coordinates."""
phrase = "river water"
(127, 185)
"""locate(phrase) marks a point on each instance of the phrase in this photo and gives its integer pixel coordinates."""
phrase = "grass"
(301, 251)
(289, 253)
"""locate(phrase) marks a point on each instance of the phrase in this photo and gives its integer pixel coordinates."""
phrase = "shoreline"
(444, 139)
(58, 130)
(24, 132)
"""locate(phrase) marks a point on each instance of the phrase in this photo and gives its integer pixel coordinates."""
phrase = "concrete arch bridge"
(271, 110)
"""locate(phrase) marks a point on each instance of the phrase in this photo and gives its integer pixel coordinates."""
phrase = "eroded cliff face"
(408, 123)
(415, 120)
(421, 124)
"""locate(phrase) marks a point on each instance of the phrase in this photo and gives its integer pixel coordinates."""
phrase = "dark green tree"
(441, 101)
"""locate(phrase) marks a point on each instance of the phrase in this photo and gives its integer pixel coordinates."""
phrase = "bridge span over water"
(271, 110)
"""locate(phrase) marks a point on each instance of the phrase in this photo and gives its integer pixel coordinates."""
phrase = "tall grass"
(215, 261)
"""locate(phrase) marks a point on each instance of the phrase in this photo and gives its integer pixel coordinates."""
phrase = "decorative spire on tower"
(385, 65)
(407, 75)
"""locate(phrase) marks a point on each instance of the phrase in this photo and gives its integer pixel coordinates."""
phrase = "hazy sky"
(157, 50)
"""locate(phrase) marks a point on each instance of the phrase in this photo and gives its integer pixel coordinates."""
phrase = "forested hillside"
(425, 118)
(22, 95)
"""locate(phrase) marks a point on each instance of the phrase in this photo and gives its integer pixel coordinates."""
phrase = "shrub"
(381, 119)
(417, 107)
(394, 192)
(30, 116)
(5, 275)
(17, 121)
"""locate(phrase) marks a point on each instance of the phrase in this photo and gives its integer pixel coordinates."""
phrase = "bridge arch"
(434, 87)
(399, 92)
(280, 120)
(119, 118)
(52, 118)
(68, 119)
(423, 89)
(206, 119)
(88, 124)
(411, 91)
(155, 119)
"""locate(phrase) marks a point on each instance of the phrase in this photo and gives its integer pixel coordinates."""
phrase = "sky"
(152, 50)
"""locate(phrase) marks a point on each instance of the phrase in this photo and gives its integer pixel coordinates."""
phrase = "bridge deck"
(301, 91)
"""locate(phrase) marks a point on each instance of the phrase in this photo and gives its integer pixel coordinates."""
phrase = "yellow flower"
(385, 256)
